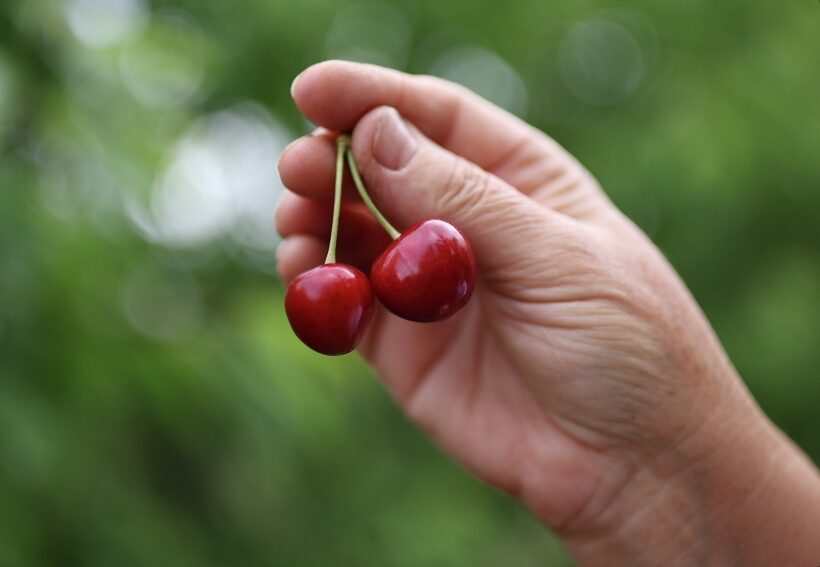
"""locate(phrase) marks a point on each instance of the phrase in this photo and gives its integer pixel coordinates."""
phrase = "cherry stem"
(341, 146)
(357, 180)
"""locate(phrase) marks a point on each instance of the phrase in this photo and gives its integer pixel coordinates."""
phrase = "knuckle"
(465, 190)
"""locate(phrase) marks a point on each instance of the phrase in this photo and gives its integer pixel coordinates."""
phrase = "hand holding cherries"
(426, 274)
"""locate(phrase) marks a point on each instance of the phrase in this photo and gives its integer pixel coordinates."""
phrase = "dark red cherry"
(329, 307)
(426, 274)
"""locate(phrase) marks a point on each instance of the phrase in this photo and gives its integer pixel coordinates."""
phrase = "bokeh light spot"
(221, 180)
(370, 33)
(601, 62)
(485, 73)
(103, 23)
(166, 66)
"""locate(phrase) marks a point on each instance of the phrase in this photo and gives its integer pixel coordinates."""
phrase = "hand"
(582, 377)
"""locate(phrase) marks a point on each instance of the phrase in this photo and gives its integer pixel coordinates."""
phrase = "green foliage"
(155, 408)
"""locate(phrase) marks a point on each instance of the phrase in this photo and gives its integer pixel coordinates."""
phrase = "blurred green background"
(155, 408)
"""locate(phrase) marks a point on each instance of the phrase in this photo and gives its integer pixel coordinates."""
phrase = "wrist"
(733, 492)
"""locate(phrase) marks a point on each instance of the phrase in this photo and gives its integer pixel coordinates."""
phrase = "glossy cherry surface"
(329, 307)
(427, 274)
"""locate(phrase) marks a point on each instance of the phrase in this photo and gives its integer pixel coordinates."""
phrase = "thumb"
(411, 178)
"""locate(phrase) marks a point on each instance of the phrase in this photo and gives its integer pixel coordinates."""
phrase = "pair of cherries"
(426, 274)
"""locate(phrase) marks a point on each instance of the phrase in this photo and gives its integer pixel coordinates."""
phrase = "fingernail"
(393, 143)
(293, 84)
(283, 194)
(280, 250)
(284, 151)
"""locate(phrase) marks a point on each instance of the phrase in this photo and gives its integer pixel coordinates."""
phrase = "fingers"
(297, 254)
(298, 215)
(336, 94)
(361, 238)
(308, 167)
(411, 178)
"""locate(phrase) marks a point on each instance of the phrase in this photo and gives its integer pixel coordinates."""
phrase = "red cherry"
(427, 274)
(329, 307)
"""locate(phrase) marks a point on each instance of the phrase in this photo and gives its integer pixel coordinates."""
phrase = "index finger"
(336, 94)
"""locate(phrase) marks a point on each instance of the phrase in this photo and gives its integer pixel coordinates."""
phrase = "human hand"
(582, 377)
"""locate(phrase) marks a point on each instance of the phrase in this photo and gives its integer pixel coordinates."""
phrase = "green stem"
(354, 171)
(341, 146)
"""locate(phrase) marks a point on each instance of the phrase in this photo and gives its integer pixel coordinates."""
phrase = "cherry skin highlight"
(427, 274)
(329, 307)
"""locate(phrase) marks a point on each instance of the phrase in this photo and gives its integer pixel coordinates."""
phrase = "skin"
(581, 378)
